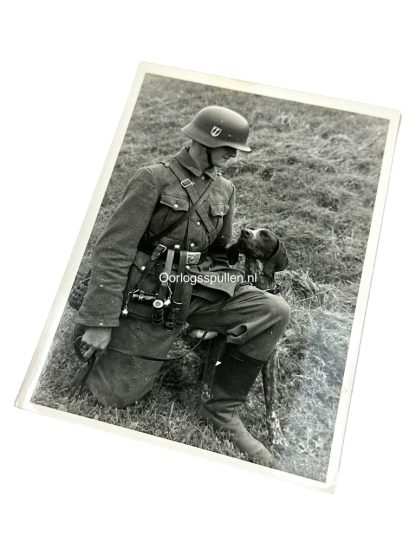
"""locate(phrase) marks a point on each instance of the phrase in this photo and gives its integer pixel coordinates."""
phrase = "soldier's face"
(221, 155)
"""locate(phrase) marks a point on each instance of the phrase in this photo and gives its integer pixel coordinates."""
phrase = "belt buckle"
(193, 257)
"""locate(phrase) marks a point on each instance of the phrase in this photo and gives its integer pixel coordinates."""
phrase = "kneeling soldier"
(174, 222)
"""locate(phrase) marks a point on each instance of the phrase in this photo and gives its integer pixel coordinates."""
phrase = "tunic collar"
(184, 158)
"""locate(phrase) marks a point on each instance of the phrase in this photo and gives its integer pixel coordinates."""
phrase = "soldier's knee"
(278, 309)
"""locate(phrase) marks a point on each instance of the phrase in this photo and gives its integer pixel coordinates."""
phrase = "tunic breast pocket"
(170, 209)
(174, 202)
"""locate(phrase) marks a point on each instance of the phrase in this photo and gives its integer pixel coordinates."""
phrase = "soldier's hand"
(95, 340)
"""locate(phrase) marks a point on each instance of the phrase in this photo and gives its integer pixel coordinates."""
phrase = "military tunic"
(251, 319)
(154, 199)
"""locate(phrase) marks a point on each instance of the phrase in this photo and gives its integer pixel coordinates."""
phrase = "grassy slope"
(312, 178)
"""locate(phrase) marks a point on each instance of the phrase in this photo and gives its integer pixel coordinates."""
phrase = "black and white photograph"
(217, 292)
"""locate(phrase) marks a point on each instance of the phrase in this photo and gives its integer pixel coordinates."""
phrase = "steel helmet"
(215, 126)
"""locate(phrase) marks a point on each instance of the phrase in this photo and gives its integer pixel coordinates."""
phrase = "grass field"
(312, 178)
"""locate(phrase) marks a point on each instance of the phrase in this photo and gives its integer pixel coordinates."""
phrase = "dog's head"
(265, 246)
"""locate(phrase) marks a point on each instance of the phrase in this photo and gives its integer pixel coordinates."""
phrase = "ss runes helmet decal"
(216, 131)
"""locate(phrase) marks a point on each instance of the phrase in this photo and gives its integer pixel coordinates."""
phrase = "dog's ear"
(278, 261)
(232, 253)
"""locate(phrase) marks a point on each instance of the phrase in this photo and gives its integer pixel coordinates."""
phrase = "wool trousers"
(252, 320)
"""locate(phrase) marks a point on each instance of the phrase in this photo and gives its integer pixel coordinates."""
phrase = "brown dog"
(263, 245)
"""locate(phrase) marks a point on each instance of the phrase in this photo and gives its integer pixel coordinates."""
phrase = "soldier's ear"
(278, 261)
(232, 253)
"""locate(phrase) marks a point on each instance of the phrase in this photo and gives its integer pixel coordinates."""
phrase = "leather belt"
(192, 257)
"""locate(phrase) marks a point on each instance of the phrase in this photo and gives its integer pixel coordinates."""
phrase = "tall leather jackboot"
(231, 383)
